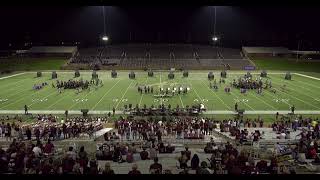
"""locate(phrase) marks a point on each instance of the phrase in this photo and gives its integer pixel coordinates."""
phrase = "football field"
(16, 91)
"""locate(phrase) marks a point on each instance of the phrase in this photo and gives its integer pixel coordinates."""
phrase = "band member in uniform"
(25, 109)
(113, 111)
(292, 109)
(236, 107)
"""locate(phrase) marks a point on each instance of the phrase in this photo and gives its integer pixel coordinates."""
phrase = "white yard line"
(311, 77)
(256, 96)
(105, 95)
(79, 101)
(143, 93)
(297, 91)
(311, 85)
(293, 84)
(297, 98)
(215, 95)
(196, 93)
(227, 81)
(64, 96)
(16, 93)
(303, 75)
(6, 77)
(11, 84)
(243, 101)
(276, 97)
(181, 101)
(43, 97)
(38, 91)
(123, 95)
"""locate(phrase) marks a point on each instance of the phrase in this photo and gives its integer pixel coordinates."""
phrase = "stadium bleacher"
(161, 56)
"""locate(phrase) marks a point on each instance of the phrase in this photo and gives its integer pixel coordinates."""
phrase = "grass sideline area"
(32, 64)
(268, 119)
(286, 64)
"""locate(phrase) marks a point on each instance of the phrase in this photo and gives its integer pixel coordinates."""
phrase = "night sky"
(237, 26)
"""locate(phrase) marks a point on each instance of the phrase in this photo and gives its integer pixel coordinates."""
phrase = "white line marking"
(105, 94)
(196, 93)
(143, 93)
(181, 102)
(276, 97)
(123, 95)
(256, 96)
(215, 95)
(38, 91)
(11, 84)
(227, 81)
(6, 77)
(311, 77)
(64, 96)
(297, 91)
(79, 101)
(43, 98)
(297, 98)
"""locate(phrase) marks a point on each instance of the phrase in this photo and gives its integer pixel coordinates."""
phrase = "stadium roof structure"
(53, 49)
(266, 50)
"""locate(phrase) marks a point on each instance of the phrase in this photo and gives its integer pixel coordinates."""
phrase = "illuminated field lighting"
(105, 38)
(214, 38)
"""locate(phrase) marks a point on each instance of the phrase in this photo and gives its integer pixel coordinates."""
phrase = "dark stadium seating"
(161, 56)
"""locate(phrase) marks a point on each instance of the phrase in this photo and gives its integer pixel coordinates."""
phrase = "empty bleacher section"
(232, 58)
(160, 56)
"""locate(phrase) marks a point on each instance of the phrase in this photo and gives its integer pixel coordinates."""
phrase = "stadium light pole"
(214, 37)
(298, 51)
(105, 38)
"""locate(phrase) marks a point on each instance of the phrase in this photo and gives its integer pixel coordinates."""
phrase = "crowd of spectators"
(48, 127)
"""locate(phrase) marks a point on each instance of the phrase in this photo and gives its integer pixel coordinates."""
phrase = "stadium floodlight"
(105, 38)
(215, 38)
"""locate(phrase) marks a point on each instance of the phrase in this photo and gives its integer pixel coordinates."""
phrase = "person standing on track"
(25, 109)
(292, 109)
(236, 107)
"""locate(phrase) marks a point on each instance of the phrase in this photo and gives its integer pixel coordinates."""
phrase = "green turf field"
(32, 64)
(15, 92)
(286, 64)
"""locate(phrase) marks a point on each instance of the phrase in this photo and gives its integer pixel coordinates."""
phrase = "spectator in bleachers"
(195, 162)
(48, 148)
(129, 156)
(99, 154)
(83, 157)
(107, 169)
(134, 170)
(155, 168)
(153, 152)
(37, 150)
(71, 154)
(188, 153)
(203, 169)
(183, 160)
(144, 155)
